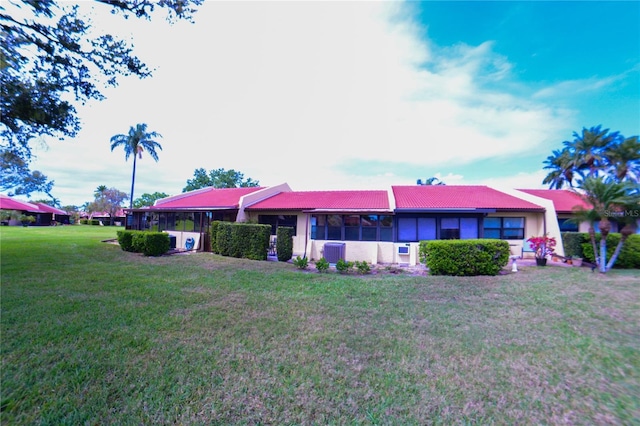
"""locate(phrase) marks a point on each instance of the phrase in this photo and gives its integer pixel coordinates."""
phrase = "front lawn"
(95, 335)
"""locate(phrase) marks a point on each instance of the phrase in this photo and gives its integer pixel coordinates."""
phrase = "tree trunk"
(603, 254)
(133, 180)
(592, 235)
(605, 228)
(624, 234)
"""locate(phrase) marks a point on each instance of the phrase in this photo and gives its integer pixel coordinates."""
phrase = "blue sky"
(359, 95)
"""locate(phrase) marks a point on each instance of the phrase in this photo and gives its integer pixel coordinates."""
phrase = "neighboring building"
(105, 217)
(189, 215)
(44, 214)
(355, 225)
(378, 226)
(564, 203)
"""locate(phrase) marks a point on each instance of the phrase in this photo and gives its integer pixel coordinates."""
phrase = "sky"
(357, 95)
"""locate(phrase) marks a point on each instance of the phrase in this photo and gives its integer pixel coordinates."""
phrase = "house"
(44, 214)
(105, 217)
(189, 215)
(377, 226)
(360, 221)
(564, 203)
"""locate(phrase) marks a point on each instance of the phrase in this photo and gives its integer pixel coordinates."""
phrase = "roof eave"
(445, 210)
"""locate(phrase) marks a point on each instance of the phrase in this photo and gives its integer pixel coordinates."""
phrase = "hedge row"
(241, 240)
(465, 257)
(284, 243)
(578, 244)
(145, 242)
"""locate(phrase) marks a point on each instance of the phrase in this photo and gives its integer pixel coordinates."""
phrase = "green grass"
(95, 335)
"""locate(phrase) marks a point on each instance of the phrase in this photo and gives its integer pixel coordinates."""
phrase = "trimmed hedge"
(125, 239)
(147, 243)
(241, 240)
(629, 257)
(578, 244)
(284, 243)
(572, 243)
(465, 257)
(214, 232)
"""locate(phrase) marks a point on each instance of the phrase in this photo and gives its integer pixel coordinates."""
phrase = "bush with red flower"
(543, 246)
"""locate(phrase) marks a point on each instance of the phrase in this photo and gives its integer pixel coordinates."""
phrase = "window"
(567, 226)
(334, 227)
(386, 228)
(412, 229)
(276, 221)
(407, 229)
(318, 227)
(449, 228)
(366, 227)
(184, 222)
(427, 228)
(468, 228)
(352, 227)
(369, 225)
(504, 228)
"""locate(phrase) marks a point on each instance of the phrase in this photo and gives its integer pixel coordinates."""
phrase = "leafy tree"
(146, 200)
(431, 181)
(135, 142)
(593, 152)
(109, 200)
(17, 179)
(219, 178)
(49, 62)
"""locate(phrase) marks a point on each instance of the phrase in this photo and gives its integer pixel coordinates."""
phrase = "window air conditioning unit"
(403, 250)
(334, 252)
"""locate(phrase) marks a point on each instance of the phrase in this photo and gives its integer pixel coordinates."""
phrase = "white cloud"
(287, 91)
(573, 87)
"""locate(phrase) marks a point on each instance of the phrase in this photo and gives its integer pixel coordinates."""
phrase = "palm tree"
(607, 197)
(623, 159)
(99, 191)
(135, 142)
(588, 148)
(561, 164)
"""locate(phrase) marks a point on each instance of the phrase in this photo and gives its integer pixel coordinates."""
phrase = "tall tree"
(593, 152)
(431, 181)
(623, 159)
(51, 58)
(607, 199)
(561, 166)
(219, 178)
(110, 201)
(136, 142)
(146, 200)
(589, 148)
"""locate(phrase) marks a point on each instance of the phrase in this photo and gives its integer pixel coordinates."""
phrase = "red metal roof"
(8, 203)
(214, 198)
(325, 200)
(564, 201)
(45, 208)
(457, 197)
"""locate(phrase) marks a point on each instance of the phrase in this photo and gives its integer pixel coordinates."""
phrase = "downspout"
(306, 235)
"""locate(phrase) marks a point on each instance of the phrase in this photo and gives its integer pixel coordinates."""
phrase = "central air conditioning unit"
(334, 252)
